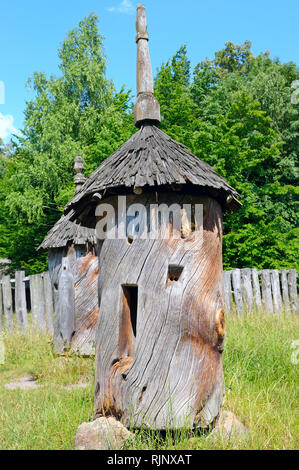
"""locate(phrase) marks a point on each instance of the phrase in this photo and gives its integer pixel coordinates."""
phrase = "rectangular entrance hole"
(128, 321)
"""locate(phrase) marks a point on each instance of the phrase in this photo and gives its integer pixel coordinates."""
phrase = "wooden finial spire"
(147, 107)
(79, 179)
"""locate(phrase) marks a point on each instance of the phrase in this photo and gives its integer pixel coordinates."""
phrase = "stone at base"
(102, 434)
(228, 426)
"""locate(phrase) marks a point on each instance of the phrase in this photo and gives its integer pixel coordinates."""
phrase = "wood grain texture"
(237, 287)
(256, 289)
(7, 303)
(48, 302)
(227, 291)
(267, 291)
(275, 285)
(285, 290)
(1, 306)
(20, 300)
(83, 310)
(292, 282)
(171, 375)
(247, 288)
(64, 323)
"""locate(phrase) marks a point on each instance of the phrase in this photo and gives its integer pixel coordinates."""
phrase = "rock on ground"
(228, 426)
(102, 434)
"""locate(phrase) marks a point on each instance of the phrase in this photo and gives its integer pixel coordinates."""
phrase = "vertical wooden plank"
(285, 289)
(247, 288)
(236, 279)
(64, 308)
(7, 303)
(275, 284)
(34, 299)
(41, 320)
(292, 278)
(1, 305)
(266, 291)
(256, 289)
(20, 300)
(227, 291)
(48, 300)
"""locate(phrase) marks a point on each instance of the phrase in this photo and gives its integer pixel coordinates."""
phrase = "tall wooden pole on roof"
(147, 108)
(79, 179)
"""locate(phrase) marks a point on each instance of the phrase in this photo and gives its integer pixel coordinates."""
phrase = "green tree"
(78, 112)
(236, 114)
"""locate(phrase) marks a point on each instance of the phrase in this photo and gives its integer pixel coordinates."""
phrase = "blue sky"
(32, 30)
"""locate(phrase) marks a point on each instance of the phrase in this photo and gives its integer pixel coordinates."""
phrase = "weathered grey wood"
(227, 290)
(41, 319)
(285, 289)
(7, 302)
(168, 373)
(275, 284)
(20, 300)
(37, 301)
(48, 302)
(85, 271)
(64, 322)
(266, 291)
(34, 299)
(292, 282)
(1, 305)
(247, 288)
(256, 289)
(146, 107)
(237, 287)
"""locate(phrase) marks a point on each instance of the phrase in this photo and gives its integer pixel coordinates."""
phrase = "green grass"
(261, 389)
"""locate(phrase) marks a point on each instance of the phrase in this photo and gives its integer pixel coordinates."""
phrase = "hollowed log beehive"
(161, 326)
(73, 268)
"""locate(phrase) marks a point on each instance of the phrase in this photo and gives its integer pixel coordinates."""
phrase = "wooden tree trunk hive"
(74, 276)
(160, 338)
(161, 325)
(73, 268)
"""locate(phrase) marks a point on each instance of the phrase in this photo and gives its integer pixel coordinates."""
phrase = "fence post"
(48, 298)
(292, 278)
(7, 302)
(256, 289)
(285, 290)
(266, 291)
(37, 301)
(20, 300)
(64, 308)
(247, 288)
(236, 278)
(276, 291)
(227, 291)
(1, 306)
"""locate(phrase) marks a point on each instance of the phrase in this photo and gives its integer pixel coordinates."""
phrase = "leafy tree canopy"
(234, 112)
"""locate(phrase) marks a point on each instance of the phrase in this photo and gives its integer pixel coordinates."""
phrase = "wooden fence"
(22, 294)
(244, 290)
(272, 290)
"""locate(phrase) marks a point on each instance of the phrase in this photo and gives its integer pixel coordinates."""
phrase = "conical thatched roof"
(65, 231)
(150, 158)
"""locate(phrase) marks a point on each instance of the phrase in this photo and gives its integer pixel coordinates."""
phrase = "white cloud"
(125, 6)
(6, 126)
